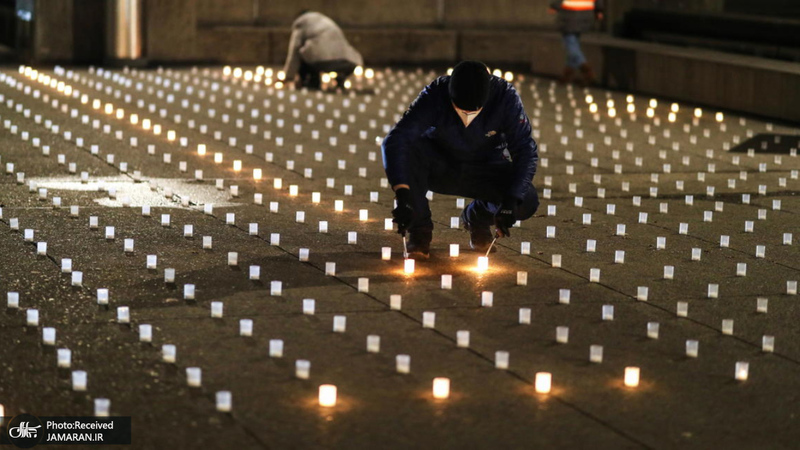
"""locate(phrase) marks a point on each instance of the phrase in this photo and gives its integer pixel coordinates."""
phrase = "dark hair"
(469, 85)
(302, 11)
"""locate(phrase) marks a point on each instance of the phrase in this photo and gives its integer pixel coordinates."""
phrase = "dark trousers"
(310, 74)
(486, 182)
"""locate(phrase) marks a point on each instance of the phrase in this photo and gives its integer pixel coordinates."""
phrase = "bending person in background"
(318, 46)
(576, 17)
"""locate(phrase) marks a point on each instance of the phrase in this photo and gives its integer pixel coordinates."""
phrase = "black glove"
(505, 217)
(404, 213)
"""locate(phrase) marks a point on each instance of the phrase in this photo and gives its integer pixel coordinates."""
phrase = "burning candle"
(408, 266)
(327, 395)
(631, 376)
(441, 388)
(543, 382)
(742, 370)
(483, 263)
(447, 281)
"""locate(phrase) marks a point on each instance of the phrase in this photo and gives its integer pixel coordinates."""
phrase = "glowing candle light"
(441, 388)
(338, 205)
(742, 370)
(720, 117)
(447, 282)
(483, 263)
(409, 266)
(631, 376)
(363, 215)
(454, 250)
(543, 382)
(327, 395)
(217, 157)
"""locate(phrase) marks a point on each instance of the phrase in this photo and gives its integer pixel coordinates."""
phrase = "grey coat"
(576, 22)
(316, 38)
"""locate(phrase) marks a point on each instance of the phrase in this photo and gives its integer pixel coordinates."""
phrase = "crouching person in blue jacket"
(466, 134)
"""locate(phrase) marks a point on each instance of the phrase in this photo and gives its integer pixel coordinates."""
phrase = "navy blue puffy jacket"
(501, 131)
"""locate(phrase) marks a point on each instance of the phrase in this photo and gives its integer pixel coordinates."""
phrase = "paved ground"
(327, 144)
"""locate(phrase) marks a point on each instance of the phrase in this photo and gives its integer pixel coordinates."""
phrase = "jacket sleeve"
(521, 146)
(293, 55)
(397, 145)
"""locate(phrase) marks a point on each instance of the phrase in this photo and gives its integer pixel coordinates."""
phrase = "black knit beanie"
(469, 85)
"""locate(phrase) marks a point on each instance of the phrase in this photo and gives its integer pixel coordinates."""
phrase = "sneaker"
(480, 238)
(418, 244)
